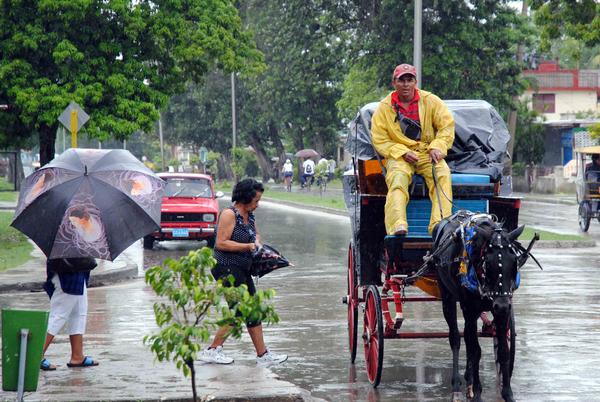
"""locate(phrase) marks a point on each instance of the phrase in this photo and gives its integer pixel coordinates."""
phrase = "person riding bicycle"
(321, 171)
(288, 173)
(309, 172)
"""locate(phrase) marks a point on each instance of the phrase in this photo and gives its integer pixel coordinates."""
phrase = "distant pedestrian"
(331, 166)
(237, 239)
(66, 285)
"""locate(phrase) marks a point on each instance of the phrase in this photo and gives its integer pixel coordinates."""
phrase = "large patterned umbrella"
(89, 203)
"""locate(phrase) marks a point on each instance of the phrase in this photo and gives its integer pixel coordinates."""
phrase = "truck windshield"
(187, 187)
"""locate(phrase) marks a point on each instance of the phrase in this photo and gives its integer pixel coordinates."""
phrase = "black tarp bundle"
(480, 143)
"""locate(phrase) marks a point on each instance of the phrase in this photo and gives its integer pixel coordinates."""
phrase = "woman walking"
(237, 239)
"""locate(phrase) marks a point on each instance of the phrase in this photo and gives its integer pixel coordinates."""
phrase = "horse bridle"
(495, 242)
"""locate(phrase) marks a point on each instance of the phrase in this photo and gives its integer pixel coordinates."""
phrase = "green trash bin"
(12, 323)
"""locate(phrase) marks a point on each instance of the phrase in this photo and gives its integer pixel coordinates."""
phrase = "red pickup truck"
(189, 209)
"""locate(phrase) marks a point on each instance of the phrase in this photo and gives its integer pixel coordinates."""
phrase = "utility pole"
(233, 124)
(418, 39)
(160, 136)
(512, 115)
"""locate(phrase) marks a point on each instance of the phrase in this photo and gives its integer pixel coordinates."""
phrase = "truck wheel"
(148, 242)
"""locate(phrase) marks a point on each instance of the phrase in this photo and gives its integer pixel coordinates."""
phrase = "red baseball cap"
(404, 69)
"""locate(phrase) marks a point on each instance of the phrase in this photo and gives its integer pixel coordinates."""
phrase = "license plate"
(181, 232)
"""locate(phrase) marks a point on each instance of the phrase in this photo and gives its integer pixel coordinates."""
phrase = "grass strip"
(546, 235)
(8, 196)
(328, 200)
(15, 249)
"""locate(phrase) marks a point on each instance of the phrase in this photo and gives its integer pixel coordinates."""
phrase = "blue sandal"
(87, 362)
(46, 366)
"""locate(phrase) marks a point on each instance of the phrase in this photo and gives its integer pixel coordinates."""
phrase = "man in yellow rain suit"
(413, 129)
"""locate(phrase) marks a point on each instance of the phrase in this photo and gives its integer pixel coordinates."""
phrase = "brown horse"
(477, 262)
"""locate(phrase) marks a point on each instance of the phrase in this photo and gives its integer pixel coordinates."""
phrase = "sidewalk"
(118, 318)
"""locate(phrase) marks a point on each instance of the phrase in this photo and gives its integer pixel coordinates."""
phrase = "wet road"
(557, 314)
(557, 322)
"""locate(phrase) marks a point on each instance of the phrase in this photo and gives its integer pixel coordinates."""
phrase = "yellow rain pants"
(398, 179)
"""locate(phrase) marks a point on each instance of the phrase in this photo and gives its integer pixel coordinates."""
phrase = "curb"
(565, 243)
(299, 205)
(101, 279)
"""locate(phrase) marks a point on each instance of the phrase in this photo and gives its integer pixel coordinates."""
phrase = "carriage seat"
(469, 191)
(463, 186)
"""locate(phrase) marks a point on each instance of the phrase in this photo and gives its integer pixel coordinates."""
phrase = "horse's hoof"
(469, 392)
(457, 397)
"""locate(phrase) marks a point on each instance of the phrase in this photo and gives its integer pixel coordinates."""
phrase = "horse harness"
(455, 244)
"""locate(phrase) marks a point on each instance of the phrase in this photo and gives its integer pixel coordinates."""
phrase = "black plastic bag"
(266, 259)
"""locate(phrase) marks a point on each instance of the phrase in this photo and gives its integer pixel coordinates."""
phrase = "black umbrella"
(89, 203)
(266, 259)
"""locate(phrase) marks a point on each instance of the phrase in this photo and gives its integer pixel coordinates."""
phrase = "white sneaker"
(271, 358)
(215, 355)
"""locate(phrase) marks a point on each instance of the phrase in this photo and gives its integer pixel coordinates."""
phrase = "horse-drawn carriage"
(380, 267)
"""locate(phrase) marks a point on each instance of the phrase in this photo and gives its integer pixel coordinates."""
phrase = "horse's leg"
(501, 321)
(473, 354)
(449, 309)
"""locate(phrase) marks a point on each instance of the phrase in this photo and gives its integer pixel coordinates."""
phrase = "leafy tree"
(119, 59)
(574, 54)
(468, 47)
(305, 52)
(529, 145)
(560, 18)
(291, 104)
(360, 87)
(191, 306)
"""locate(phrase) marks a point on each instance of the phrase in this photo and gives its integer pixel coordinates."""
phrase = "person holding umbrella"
(66, 285)
(84, 204)
(237, 240)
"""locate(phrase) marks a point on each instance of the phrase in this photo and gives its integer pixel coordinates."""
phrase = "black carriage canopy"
(480, 141)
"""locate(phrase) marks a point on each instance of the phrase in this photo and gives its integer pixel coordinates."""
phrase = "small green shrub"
(194, 304)
(518, 169)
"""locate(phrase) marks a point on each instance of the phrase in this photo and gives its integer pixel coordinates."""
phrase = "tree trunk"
(263, 162)
(193, 375)
(47, 136)
(276, 140)
(224, 168)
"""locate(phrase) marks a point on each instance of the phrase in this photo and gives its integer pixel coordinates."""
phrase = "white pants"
(67, 309)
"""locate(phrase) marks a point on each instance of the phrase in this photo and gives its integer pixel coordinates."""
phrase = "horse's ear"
(514, 235)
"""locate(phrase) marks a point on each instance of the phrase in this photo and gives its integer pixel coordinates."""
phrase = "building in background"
(563, 94)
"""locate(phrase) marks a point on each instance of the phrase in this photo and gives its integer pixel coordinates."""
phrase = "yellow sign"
(73, 128)
(73, 118)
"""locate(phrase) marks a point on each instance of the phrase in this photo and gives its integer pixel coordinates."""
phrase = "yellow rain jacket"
(437, 132)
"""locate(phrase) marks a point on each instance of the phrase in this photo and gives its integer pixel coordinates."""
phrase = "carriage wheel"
(373, 335)
(511, 335)
(352, 305)
(585, 216)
